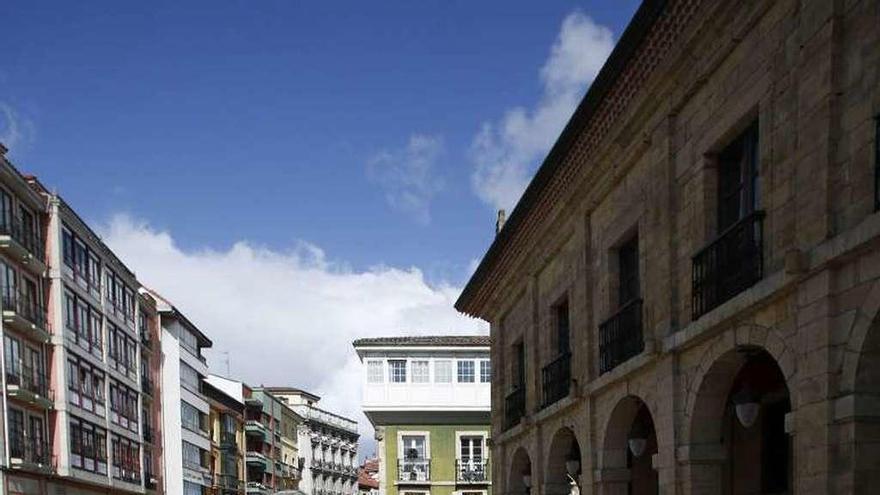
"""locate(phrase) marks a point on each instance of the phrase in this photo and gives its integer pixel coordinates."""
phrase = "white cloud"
(506, 153)
(16, 132)
(407, 175)
(288, 317)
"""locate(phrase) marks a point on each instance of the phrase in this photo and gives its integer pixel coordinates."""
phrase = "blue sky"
(267, 121)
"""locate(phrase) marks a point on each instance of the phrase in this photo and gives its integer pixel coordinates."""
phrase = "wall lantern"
(638, 438)
(747, 406)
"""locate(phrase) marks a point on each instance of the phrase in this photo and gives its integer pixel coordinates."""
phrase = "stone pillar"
(702, 468)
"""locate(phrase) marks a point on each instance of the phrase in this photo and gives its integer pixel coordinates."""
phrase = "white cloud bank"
(506, 153)
(408, 175)
(288, 318)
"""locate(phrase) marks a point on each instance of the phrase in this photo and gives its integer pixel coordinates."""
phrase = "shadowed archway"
(519, 475)
(563, 456)
(628, 450)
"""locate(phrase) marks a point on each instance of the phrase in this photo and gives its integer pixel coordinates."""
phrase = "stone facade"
(641, 159)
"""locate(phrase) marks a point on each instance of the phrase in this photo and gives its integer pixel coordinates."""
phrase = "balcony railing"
(29, 451)
(26, 378)
(23, 305)
(556, 379)
(24, 235)
(472, 471)
(620, 337)
(514, 407)
(414, 470)
(730, 264)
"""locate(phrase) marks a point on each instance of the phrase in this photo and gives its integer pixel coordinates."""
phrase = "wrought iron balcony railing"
(514, 407)
(730, 264)
(23, 305)
(29, 450)
(620, 337)
(472, 471)
(26, 378)
(556, 379)
(414, 470)
(23, 234)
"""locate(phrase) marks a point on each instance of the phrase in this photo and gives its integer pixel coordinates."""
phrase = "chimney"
(499, 223)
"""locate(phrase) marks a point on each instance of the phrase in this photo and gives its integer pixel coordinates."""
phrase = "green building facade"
(428, 399)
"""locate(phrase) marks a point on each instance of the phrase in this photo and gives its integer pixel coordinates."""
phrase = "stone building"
(685, 299)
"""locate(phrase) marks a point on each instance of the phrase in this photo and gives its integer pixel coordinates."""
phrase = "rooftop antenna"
(226, 353)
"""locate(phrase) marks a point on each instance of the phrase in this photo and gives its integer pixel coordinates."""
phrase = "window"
(123, 406)
(189, 377)
(470, 450)
(414, 464)
(88, 446)
(420, 371)
(375, 372)
(738, 179)
(189, 341)
(126, 459)
(192, 456)
(192, 419)
(397, 371)
(519, 367)
(628, 267)
(85, 384)
(190, 488)
(563, 345)
(485, 371)
(84, 323)
(466, 372)
(443, 371)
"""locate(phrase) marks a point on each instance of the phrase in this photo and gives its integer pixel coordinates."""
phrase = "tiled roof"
(366, 481)
(426, 341)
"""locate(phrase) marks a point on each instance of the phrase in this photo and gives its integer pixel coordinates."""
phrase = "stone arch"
(520, 466)
(620, 470)
(563, 447)
(720, 359)
(714, 442)
(865, 318)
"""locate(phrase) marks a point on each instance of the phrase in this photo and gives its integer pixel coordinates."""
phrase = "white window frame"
(381, 363)
(452, 371)
(405, 371)
(412, 371)
(484, 434)
(476, 370)
(413, 433)
(479, 377)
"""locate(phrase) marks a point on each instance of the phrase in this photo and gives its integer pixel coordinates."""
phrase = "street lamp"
(638, 438)
(746, 406)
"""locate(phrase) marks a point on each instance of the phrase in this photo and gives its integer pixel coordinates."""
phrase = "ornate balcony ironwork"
(730, 264)
(472, 471)
(414, 470)
(556, 379)
(620, 337)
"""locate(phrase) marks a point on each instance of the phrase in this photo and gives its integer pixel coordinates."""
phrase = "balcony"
(30, 386)
(414, 470)
(730, 264)
(514, 407)
(23, 244)
(228, 483)
(257, 459)
(472, 471)
(556, 379)
(29, 454)
(23, 313)
(620, 337)
(254, 427)
(257, 488)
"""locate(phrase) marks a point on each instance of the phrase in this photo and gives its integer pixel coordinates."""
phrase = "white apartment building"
(185, 410)
(327, 443)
